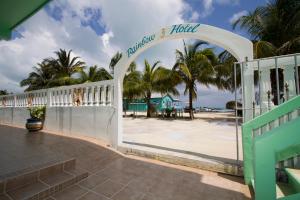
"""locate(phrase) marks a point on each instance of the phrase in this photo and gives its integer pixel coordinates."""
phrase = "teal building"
(160, 104)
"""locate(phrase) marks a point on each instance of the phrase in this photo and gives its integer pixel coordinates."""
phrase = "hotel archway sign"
(241, 48)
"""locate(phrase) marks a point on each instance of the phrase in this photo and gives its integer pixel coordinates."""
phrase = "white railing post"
(52, 98)
(24, 100)
(109, 91)
(91, 95)
(70, 93)
(15, 101)
(97, 95)
(104, 95)
(44, 95)
(65, 97)
(49, 98)
(85, 96)
(38, 99)
(56, 98)
(42, 99)
(34, 99)
(265, 86)
(61, 98)
(289, 78)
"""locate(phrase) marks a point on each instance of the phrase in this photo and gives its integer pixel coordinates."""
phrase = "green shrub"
(37, 112)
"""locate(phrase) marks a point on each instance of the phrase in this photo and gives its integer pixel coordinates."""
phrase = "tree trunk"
(148, 104)
(191, 103)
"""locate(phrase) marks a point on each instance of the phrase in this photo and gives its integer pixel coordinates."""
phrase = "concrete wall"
(14, 116)
(93, 122)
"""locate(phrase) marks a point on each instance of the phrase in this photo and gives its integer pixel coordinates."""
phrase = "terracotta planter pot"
(34, 124)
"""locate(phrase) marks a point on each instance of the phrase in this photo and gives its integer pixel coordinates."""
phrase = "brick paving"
(113, 176)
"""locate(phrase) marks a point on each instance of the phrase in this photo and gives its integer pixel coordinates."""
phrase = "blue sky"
(224, 10)
(96, 29)
(216, 13)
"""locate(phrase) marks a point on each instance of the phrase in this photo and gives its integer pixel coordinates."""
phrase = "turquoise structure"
(262, 150)
(160, 104)
(14, 12)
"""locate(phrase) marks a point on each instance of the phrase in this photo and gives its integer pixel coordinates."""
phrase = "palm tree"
(154, 78)
(94, 74)
(132, 87)
(3, 92)
(114, 60)
(224, 69)
(274, 27)
(132, 67)
(64, 67)
(195, 65)
(40, 78)
(224, 73)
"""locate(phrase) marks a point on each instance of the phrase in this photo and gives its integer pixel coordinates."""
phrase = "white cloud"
(208, 6)
(226, 2)
(194, 16)
(124, 23)
(42, 36)
(237, 15)
(147, 18)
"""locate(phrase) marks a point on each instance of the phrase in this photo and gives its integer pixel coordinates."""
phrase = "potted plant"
(36, 122)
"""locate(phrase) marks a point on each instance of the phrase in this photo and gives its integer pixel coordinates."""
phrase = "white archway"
(241, 48)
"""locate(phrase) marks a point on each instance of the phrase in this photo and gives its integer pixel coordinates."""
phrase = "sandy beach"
(210, 134)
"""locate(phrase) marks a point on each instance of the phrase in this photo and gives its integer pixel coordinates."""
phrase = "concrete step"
(43, 182)
(181, 159)
(294, 178)
(283, 190)
(290, 190)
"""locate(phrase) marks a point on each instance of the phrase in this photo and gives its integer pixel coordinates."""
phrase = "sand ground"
(209, 135)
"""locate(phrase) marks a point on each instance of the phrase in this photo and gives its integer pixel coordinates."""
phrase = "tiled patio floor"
(113, 176)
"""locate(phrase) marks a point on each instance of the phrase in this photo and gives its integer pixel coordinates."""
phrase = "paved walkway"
(210, 135)
(113, 176)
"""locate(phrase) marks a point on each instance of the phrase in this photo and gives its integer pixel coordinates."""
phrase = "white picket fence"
(87, 94)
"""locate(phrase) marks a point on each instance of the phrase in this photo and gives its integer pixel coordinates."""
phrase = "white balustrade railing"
(87, 94)
(27, 99)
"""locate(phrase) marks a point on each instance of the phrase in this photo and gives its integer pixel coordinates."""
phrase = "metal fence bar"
(277, 82)
(259, 88)
(243, 90)
(236, 117)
